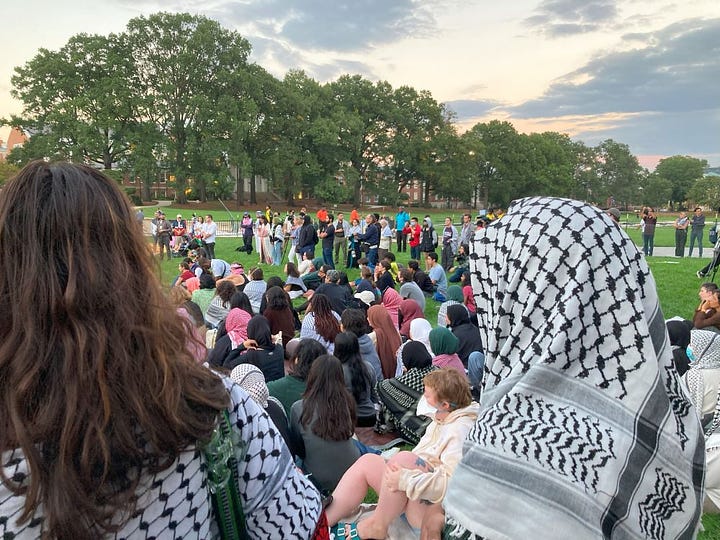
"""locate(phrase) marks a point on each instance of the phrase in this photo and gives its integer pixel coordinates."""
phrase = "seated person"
(410, 481)
(679, 334)
(294, 285)
(360, 378)
(410, 289)
(301, 354)
(421, 278)
(461, 264)
(400, 395)
(445, 346)
(365, 282)
(322, 424)
(703, 383)
(707, 315)
(454, 296)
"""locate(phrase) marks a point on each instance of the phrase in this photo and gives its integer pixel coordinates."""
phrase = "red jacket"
(415, 234)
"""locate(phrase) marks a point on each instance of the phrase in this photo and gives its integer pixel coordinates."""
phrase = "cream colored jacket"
(441, 448)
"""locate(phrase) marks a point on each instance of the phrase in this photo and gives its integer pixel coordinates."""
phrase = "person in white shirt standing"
(209, 232)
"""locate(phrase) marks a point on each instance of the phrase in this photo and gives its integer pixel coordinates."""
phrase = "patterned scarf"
(584, 429)
(706, 349)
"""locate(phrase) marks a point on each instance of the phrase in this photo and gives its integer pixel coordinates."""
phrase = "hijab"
(420, 331)
(251, 379)
(455, 293)
(443, 341)
(236, 324)
(259, 329)
(705, 346)
(410, 310)
(583, 420)
(388, 339)
(415, 355)
(391, 301)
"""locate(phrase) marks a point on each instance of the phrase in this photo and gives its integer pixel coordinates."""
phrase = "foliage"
(7, 171)
(706, 191)
(681, 172)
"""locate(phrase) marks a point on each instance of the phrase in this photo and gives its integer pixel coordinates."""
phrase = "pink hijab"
(391, 301)
(236, 325)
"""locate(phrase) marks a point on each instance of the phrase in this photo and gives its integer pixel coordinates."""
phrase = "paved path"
(670, 252)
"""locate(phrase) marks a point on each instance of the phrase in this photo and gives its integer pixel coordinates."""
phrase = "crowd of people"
(543, 402)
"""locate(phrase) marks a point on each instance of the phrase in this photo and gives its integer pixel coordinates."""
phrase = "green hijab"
(454, 293)
(443, 341)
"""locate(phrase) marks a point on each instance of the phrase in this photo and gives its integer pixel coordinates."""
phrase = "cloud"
(675, 72)
(466, 109)
(558, 18)
(340, 25)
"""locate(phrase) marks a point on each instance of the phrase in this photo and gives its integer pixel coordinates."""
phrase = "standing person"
(385, 239)
(649, 231)
(164, 232)
(401, 219)
(643, 444)
(263, 237)
(99, 434)
(413, 230)
(371, 238)
(326, 232)
(697, 224)
(179, 228)
(467, 231)
(154, 229)
(293, 255)
(449, 244)
(208, 235)
(354, 253)
(247, 233)
(428, 239)
(681, 226)
(340, 241)
(278, 239)
(307, 239)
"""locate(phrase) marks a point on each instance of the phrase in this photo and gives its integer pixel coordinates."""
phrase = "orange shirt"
(322, 215)
(354, 215)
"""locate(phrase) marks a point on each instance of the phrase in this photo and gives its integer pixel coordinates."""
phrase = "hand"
(250, 344)
(392, 477)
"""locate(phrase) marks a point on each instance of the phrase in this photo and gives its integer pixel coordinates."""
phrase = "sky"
(643, 73)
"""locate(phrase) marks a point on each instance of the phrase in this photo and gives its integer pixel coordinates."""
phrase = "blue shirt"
(401, 218)
(437, 274)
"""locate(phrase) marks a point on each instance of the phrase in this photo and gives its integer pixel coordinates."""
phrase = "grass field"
(675, 278)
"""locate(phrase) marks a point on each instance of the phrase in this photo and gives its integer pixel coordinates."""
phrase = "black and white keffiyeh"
(705, 345)
(584, 428)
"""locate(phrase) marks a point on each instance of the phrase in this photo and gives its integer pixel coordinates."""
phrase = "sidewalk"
(670, 252)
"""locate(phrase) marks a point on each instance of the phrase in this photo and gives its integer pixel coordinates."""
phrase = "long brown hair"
(327, 404)
(96, 391)
(326, 325)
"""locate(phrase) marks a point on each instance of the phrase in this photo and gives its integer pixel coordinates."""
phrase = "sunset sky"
(644, 73)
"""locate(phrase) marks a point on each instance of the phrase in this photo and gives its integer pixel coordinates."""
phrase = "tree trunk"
(239, 188)
(253, 199)
(426, 193)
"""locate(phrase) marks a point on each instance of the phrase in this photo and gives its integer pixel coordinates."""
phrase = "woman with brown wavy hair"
(101, 412)
(321, 323)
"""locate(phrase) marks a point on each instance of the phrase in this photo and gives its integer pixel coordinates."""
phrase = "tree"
(706, 191)
(77, 101)
(681, 172)
(619, 173)
(184, 65)
(7, 171)
(656, 191)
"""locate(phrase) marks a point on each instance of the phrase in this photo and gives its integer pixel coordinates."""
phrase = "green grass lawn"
(675, 278)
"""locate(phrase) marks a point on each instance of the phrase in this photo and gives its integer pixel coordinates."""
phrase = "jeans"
(328, 256)
(401, 240)
(210, 247)
(696, 235)
(648, 240)
(372, 256)
(457, 274)
(476, 363)
(415, 252)
(365, 449)
(680, 239)
(277, 249)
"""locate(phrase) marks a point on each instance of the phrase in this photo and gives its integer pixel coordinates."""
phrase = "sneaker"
(700, 274)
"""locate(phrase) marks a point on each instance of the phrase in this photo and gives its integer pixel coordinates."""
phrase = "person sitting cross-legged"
(410, 481)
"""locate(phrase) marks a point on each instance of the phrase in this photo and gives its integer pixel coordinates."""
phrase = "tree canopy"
(174, 98)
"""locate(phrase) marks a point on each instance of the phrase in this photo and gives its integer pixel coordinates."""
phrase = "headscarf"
(410, 310)
(252, 380)
(415, 355)
(705, 346)
(583, 421)
(388, 339)
(454, 293)
(259, 329)
(391, 301)
(457, 314)
(679, 333)
(236, 324)
(443, 341)
(420, 331)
